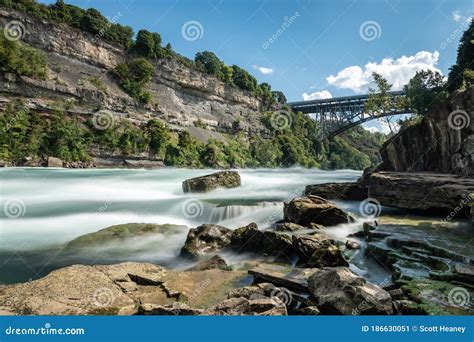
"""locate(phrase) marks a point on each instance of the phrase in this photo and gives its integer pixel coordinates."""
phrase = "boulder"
(288, 277)
(214, 262)
(223, 179)
(251, 307)
(317, 250)
(118, 289)
(250, 239)
(352, 191)
(351, 244)
(428, 192)
(338, 290)
(293, 227)
(120, 233)
(206, 239)
(247, 238)
(175, 309)
(314, 209)
(54, 162)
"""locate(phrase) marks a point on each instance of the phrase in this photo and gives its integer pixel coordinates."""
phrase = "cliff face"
(442, 142)
(78, 75)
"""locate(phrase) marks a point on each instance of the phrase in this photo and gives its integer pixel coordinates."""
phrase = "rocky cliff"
(78, 75)
(442, 142)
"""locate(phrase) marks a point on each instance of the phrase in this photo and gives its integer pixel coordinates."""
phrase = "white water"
(55, 206)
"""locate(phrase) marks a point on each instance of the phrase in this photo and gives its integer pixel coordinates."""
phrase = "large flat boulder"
(422, 191)
(338, 290)
(285, 276)
(118, 288)
(351, 191)
(222, 179)
(314, 209)
(120, 233)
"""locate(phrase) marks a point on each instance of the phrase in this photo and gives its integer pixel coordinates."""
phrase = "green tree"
(133, 77)
(425, 90)
(159, 137)
(461, 74)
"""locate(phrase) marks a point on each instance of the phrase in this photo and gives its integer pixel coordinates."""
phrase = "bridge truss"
(339, 114)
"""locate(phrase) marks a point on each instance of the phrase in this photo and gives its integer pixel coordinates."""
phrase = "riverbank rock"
(338, 290)
(110, 289)
(223, 179)
(293, 227)
(423, 251)
(214, 262)
(120, 233)
(283, 276)
(433, 192)
(432, 297)
(351, 191)
(205, 239)
(317, 250)
(314, 209)
(54, 162)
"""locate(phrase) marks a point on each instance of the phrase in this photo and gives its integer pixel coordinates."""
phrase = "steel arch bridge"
(338, 114)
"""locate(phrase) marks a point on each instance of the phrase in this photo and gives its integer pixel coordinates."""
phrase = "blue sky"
(328, 48)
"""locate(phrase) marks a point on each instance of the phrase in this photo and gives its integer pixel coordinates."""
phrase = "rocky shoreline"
(296, 269)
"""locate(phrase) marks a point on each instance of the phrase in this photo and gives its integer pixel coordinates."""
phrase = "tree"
(159, 137)
(461, 74)
(242, 79)
(380, 100)
(148, 44)
(424, 90)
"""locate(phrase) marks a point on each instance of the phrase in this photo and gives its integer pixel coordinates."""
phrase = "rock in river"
(205, 239)
(314, 209)
(223, 179)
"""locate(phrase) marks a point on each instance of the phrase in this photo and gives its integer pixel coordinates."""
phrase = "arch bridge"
(339, 114)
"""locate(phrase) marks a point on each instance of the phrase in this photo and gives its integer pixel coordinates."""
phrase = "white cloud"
(460, 18)
(263, 70)
(324, 94)
(397, 71)
(457, 17)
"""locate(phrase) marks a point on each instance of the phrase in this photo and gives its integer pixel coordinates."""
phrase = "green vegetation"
(425, 90)
(461, 75)
(133, 77)
(26, 134)
(21, 59)
(88, 20)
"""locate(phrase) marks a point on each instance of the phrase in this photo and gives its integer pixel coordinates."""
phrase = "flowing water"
(43, 209)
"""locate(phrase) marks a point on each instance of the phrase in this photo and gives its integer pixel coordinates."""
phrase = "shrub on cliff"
(425, 90)
(90, 20)
(133, 76)
(21, 59)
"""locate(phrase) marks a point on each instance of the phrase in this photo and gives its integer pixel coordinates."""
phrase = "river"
(46, 208)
